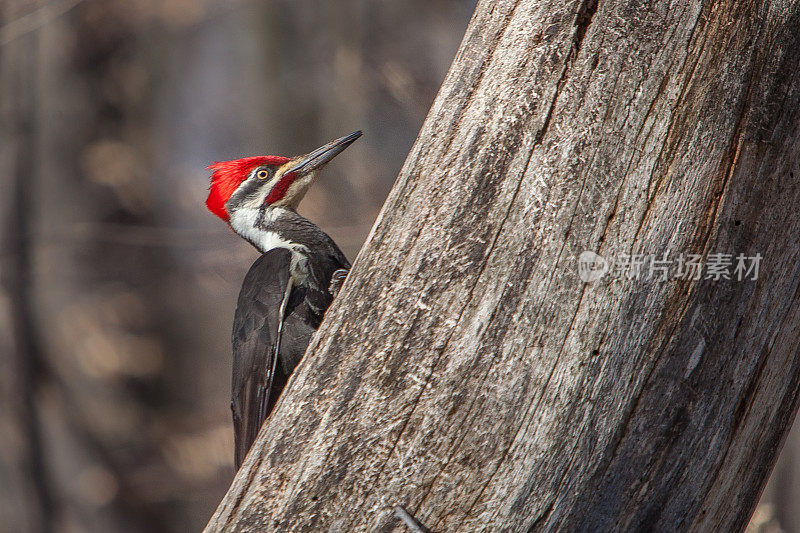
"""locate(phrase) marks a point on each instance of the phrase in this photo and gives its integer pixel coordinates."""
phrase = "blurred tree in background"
(118, 288)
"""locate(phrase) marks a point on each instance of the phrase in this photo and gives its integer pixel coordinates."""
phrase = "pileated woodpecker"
(287, 290)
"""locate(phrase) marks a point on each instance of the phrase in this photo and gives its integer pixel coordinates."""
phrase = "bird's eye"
(262, 174)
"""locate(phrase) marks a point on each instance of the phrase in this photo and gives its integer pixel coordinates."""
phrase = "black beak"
(324, 154)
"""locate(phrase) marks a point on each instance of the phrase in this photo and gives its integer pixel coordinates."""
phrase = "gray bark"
(466, 373)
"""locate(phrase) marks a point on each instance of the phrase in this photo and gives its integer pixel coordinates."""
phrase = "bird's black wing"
(255, 328)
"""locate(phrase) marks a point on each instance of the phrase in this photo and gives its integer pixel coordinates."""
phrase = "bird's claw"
(337, 280)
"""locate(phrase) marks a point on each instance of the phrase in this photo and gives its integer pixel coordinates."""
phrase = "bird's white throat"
(255, 226)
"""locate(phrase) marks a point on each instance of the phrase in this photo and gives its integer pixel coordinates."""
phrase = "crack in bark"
(750, 386)
(727, 174)
(570, 497)
(461, 313)
(552, 368)
(616, 440)
(736, 145)
(456, 446)
(664, 144)
(583, 19)
(251, 474)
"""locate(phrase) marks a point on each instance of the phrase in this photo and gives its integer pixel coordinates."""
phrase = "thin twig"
(412, 523)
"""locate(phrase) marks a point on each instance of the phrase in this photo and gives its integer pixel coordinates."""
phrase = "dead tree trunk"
(468, 374)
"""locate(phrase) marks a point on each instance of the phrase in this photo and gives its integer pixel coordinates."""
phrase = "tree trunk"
(467, 373)
(25, 499)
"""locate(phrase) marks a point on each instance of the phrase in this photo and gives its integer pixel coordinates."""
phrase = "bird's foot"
(337, 280)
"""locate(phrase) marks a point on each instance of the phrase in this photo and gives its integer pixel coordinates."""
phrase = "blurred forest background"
(118, 287)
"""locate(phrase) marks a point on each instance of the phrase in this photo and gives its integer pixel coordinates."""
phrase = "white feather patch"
(244, 221)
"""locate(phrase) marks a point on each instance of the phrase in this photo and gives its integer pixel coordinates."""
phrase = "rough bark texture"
(466, 372)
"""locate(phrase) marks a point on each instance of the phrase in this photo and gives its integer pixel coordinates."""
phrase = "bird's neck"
(266, 229)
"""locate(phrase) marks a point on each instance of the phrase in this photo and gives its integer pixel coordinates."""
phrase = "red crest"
(227, 177)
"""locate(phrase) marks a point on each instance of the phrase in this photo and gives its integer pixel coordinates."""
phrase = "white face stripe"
(245, 222)
(262, 188)
(256, 200)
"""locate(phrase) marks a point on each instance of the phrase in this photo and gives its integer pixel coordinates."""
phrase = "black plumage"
(288, 289)
(257, 319)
